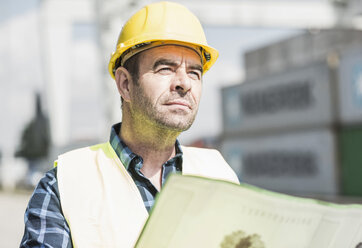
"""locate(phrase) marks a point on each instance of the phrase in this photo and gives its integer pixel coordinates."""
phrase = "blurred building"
(295, 124)
(20, 69)
(51, 47)
(72, 71)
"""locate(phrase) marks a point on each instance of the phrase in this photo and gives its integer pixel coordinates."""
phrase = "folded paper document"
(198, 212)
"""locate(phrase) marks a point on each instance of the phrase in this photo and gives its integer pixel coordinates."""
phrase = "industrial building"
(295, 124)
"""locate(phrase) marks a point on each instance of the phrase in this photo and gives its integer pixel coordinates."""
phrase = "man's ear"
(123, 81)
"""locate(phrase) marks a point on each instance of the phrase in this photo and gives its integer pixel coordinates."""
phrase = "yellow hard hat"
(162, 23)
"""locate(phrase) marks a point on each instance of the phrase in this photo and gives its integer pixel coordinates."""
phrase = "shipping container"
(301, 162)
(299, 98)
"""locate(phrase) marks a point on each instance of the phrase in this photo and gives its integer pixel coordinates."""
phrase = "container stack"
(295, 124)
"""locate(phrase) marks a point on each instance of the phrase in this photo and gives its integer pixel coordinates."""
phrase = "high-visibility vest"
(100, 200)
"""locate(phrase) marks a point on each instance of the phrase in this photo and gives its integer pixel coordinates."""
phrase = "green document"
(198, 212)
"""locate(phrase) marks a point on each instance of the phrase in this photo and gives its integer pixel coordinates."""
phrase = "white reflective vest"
(100, 200)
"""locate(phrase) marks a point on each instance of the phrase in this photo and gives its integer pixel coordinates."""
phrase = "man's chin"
(177, 126)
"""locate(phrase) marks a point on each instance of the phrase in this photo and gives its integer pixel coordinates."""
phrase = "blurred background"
(283, 103)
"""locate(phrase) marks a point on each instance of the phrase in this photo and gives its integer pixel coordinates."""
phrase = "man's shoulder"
(206, 162)
(204, 154)
(198, 150)
(80, 158)
(48, 181)
(85, 160)
(84, 150)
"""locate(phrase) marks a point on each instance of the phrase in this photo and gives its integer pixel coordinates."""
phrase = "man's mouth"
(179, 103)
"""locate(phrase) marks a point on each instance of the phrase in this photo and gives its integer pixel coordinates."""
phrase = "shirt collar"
(124, 152)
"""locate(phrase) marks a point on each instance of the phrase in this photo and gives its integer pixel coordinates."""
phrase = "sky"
(11, 8)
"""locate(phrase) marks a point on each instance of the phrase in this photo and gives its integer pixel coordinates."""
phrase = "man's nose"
(182, 82)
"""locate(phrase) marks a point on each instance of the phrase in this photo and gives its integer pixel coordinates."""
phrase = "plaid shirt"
(45, 225)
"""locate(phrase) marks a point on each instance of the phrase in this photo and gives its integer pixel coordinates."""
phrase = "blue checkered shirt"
(45, 225)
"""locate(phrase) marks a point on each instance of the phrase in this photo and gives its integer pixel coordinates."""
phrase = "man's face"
(169, 87)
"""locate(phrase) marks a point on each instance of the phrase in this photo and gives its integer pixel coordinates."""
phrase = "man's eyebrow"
(173, 63)
(164, 62)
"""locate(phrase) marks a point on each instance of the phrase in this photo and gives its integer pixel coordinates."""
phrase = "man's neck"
(154, 144)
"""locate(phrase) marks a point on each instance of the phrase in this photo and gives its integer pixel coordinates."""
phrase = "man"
(100, 196)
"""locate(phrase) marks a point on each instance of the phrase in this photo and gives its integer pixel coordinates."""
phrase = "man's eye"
(165, 69)
(195, 74)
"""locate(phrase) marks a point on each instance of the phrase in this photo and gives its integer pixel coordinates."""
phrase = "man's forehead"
(173, 52)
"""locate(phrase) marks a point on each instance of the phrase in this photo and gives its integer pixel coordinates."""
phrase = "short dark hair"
(131, 65)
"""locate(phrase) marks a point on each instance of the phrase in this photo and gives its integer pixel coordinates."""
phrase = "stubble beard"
(161, 115)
